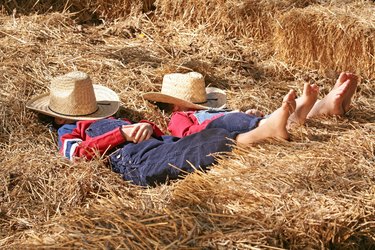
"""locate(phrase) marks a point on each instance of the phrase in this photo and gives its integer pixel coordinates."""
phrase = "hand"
(137, 132)
(254, 112)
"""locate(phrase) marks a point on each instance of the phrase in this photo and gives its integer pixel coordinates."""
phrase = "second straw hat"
(188, 90)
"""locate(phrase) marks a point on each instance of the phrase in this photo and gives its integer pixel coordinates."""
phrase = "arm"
(75, 143)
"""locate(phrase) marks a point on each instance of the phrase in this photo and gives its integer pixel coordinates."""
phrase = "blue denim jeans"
(236, 122)
(158, 160)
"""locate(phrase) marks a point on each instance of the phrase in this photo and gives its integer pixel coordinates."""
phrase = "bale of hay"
(329, 38)
(249, 18)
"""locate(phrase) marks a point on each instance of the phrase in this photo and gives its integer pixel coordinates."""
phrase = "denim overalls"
(158, 160)
(236, 122)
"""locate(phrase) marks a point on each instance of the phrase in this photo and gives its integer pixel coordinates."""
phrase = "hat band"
(209, 99)
(73, 115)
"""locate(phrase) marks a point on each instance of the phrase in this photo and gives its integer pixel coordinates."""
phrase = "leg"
(238, 122)
(274, 126)
(338, 100)
(156, 161)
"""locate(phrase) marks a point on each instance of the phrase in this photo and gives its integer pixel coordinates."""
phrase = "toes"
(310, 89)
(341, 79)
(292, 94)
(306, 88)
(289, 101)
(344, 86)
(315, 90)
(315, 87)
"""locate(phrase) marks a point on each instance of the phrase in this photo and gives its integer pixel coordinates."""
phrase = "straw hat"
(188, 90)
(73, 96)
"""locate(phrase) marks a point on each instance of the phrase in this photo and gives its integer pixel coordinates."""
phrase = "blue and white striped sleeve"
(67, 146)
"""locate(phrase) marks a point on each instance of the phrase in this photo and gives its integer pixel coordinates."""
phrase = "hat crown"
(189, 87)
(72, 94)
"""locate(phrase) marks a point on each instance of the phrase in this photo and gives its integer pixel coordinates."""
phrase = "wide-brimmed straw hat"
(188, 90)
(73, 96)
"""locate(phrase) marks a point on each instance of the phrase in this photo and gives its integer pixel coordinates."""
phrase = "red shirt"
(189, 122)
(75, 142)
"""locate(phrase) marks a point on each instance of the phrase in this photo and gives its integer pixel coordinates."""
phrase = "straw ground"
(316, 191)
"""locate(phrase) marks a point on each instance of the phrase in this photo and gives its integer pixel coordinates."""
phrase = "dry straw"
(316, 191)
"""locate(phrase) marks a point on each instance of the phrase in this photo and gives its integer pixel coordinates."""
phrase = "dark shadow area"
(130, 114)
(354, 242)
(85, 11)
(123, 112)
(361, 116)
(79, 10)
(136, 55)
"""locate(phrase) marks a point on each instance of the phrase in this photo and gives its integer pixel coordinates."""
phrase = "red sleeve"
(157, 130)
(78, 144)
(184, 123)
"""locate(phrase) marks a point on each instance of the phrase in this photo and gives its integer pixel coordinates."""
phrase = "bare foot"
(304, 104)
(338, 100)
(350, 92)
(274, 126)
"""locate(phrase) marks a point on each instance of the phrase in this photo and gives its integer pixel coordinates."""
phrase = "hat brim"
(216, 98)
(107, 100)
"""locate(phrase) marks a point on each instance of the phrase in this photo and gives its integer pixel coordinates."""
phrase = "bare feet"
(338, 100)
(304, 104)
(274, 126)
